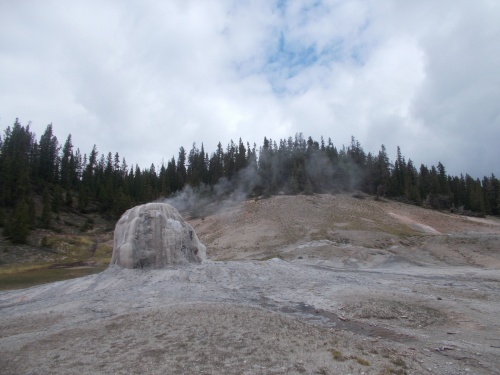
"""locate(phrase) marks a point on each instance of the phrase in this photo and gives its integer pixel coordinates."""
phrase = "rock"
(154, 235)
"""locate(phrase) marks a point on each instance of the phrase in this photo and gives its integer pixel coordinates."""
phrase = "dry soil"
(294, 285)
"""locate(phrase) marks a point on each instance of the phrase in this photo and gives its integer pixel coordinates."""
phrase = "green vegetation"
(399, 362)
(63, 179)
(27, 276)
(46, 187)
(337, 355)
(361, 361)
(388, 370)
(60, 257)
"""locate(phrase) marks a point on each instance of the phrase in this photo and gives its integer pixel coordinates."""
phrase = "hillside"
(74, 245)
(348, 232)
(319, 284)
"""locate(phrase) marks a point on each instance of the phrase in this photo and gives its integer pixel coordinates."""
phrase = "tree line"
(58, 176)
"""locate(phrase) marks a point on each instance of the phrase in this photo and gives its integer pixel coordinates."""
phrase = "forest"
(40, 177)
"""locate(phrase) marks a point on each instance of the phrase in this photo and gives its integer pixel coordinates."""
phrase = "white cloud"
(146, 79)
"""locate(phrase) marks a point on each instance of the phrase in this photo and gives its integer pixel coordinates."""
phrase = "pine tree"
(46, 210)
(31, 212)
(399, 176)
(66, 163)
(240, 162)
(18, 226)
(69, 199)
(216, 165)
(57, 199)
(83, 198)
(15, 164)
(444, 187)
(49, 161)
(193, 172)
(230, 160)
(172, 175)
(494, 195)
(411, 183)
(181, 168)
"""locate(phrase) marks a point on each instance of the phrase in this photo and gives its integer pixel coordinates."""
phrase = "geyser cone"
(154, 235)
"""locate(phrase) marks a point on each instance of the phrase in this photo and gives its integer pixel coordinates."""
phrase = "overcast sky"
(143, 78)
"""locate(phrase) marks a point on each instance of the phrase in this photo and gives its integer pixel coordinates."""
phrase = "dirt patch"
(397, 313)
(203, 339)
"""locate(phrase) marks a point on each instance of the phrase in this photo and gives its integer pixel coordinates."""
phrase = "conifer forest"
(40, 177)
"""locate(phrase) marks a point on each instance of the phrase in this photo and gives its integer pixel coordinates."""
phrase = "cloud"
(145, 79)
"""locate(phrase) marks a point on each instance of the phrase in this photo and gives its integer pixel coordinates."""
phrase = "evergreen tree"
(291, 165)
(49, 159)
(121, 203)
(230, 160)
(181, 169)
(172, 175)
(57, 199)
(494, 195)
(46, 210)
(399, 176)
(83, 198)
(216, 165)
(411, 183)
(77, 177)
(193, 171)
(265, 164)
(31, 212)
(240, 162)
(18, 227)
(69, 199)
(15, 164)
(67, 163)
(443, 180)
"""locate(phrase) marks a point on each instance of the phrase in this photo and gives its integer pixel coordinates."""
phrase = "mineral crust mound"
(154, 236)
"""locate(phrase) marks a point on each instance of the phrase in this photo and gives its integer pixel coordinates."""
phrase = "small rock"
(443, 348)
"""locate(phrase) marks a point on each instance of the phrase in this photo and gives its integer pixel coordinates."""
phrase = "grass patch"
(76, 248)
(64, 257)
(337, 355)
(399, 362)
(320, 234)
(104, 250)
(362, 361)
(19, 268)
(31, 275)
(388, 370)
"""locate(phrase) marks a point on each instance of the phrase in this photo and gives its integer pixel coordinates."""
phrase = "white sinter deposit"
(154, 235)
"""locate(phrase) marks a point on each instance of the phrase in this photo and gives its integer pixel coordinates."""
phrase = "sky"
(143, 78)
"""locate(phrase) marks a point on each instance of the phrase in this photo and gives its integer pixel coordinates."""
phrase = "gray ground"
(331, 305)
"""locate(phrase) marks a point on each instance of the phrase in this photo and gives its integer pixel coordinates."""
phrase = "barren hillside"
(349, 232)
(294, 285)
